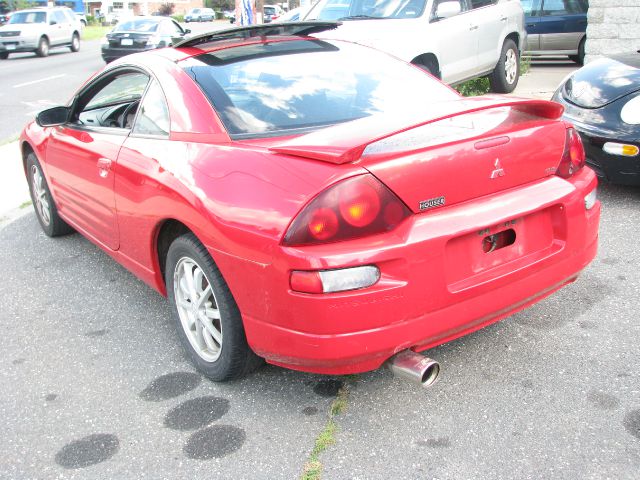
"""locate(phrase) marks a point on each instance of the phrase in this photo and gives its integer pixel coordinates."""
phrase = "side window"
(482, 3)
(153, 118)
(561, 7)
(112, 102)
(70, 16)
(59, 17)
(531, 7)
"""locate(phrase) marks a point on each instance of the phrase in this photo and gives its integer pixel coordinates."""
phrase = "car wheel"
(4, 56)
(579, 58)
(43, 47)
(75, 43)
(46, 211)
(504, 77)
(207, 318)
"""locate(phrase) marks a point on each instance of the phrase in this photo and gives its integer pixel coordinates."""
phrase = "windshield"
(194, 11)
(363, 9)
(137, 26)
(282, 87)
(28, 17)
(269, 10)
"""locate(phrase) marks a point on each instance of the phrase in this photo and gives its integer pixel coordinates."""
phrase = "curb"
(14, 191)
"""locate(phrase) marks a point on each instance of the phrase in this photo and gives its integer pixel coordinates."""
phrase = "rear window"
(137, 26)
(284, 87)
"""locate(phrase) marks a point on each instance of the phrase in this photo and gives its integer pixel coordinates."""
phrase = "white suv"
(456, 40)
(39, 29)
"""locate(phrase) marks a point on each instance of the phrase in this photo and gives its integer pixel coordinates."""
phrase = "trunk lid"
(476, 148)
(135, 40)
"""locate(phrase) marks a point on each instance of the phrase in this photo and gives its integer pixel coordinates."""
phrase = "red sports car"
(311, 202)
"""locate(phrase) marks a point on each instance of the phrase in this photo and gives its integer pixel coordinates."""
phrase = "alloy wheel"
(40, 196)
(511, 66)
(198, 309)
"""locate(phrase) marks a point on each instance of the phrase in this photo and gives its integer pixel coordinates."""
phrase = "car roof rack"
(292, 29)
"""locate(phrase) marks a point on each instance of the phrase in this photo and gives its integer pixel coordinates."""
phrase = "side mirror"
(52, 22)
(53, 116)
(448, 9)
(187, 30)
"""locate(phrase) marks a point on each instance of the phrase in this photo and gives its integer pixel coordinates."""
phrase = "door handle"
(104, 167)
(503, 19)
(473, 27)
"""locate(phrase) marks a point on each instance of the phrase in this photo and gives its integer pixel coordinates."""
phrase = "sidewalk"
(14, 192)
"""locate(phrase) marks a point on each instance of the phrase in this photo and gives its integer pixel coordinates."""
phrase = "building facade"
(612, 28)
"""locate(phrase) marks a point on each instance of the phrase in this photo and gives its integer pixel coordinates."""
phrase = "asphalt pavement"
(94, 383)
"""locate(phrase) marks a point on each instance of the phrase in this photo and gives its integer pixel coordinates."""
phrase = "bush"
(178, 18)
(91, 20)
(471, 88)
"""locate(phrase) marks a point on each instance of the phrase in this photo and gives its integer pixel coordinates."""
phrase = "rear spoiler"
(344, 143)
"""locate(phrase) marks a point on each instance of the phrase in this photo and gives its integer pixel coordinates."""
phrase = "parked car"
(4, 18)
(293, 15)
(271, 13)
(602, 100)
(200, 15)
(115, 16)
(38, 30)
(455, 40)
(82, 18)
(295, 204)
(556, 27)
(140, 34)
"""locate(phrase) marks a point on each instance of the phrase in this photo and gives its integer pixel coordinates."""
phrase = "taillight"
(573, 157)
(353, 208)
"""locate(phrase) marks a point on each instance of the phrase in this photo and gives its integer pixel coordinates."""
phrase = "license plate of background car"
(126, 42)
(470, 261)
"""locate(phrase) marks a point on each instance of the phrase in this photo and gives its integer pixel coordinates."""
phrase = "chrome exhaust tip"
(415, 367)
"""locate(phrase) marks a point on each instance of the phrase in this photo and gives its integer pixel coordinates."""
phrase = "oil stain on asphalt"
(96, 333)
(88, 451)
(170, 386)
(309, 411)
(196, 413)
(216, 441)
(602, 400)
(632, 423)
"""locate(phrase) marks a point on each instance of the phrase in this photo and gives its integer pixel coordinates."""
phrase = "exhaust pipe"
(413, 366)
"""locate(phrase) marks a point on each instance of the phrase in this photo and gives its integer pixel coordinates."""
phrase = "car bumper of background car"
(17, 44)
(431, 289)
(619, 169)
(109, 54)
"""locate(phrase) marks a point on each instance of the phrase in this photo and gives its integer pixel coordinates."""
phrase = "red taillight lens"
(573, 157)
(353, 208)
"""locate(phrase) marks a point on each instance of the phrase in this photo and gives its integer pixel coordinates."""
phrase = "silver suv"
(455, 40)
(39, 29)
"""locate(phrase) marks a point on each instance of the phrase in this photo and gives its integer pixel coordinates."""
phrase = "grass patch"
(525, 65)
(94, 32)
(25, 204)
(327, 437)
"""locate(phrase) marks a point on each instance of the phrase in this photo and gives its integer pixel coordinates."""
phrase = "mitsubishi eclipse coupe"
(311, 202)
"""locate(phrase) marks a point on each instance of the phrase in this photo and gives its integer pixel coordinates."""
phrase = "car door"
(458, 59)
(562, 24)
(59, 30)
(532, 21)
(491, 20)
(81, 153)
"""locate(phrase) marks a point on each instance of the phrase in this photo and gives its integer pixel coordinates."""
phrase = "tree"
(166, 9)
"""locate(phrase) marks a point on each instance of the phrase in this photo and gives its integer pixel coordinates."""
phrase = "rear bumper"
(430, 290)
(109, 54)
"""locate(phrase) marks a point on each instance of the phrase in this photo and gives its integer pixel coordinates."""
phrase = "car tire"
(190, 275)
(75, 43)
(4, 56)
(505, 75)
(43, 47)
(46, 211)
(579, 58)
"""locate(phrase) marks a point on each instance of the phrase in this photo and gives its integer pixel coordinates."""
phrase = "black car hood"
(604, 81)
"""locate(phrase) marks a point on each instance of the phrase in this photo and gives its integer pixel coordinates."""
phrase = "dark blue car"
(556, 27)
